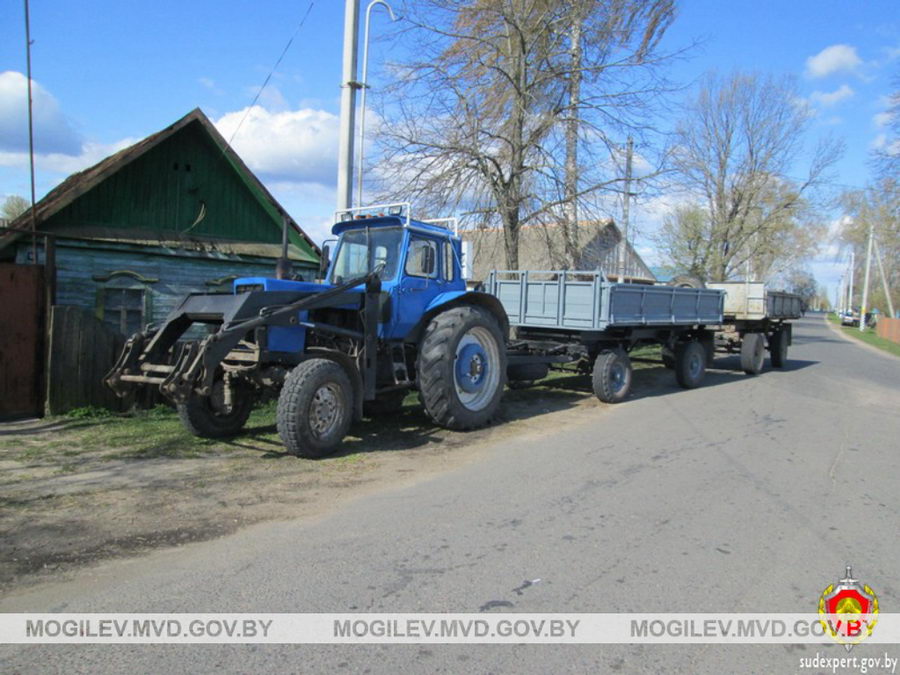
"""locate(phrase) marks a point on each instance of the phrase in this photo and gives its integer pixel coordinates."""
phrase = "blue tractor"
(392, 314)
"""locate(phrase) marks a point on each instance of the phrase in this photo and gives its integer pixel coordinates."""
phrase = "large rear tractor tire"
(315, 408)
(778, 348)
(753, 353)
(611, 377)
(209, 417)
(690, 364)
(462, 368)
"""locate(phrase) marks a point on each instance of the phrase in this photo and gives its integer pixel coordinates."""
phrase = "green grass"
(868, 336)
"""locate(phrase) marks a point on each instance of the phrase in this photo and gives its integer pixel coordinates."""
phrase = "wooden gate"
(21, 340)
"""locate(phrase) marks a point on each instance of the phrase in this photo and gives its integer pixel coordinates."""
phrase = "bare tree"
(490, 117)
(13, 207)
(741, 139)
(887, 155)
(877, 206)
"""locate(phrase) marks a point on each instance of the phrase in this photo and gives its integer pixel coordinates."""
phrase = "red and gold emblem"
(848, 611)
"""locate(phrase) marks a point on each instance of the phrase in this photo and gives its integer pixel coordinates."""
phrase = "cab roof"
(361, 222)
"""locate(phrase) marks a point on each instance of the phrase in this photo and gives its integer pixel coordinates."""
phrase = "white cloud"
(882, 119)
(829, 98)
(53, 133)
(296, 146)
(57, 162)
(833, 59)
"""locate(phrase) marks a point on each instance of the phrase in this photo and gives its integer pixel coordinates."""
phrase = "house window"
(123, 309)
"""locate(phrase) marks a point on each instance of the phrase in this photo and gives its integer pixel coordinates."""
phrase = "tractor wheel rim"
(476, 375)
(324, 413)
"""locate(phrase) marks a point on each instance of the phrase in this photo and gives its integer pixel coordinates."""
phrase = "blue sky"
(109, 73)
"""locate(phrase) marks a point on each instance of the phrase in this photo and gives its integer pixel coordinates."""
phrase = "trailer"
(579, 318)
(756, 318)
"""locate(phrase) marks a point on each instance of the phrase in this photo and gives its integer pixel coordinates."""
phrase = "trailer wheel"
(315, 408)
(778, 348)
(612, 375)
(753, 353)
(208, 417)
(462, 367)
(690, 364)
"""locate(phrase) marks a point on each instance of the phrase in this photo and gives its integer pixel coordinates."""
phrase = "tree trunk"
(570, 187)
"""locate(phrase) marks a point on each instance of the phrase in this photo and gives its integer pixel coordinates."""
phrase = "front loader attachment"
(238, 342)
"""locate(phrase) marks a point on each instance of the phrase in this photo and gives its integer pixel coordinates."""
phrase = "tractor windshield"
(360, 251)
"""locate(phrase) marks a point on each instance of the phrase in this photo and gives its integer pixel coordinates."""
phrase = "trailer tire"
(203, 415)
(690, 364)
(778, 348)
(753, 353)
(315, 408)
(612, 374)
(461, 367)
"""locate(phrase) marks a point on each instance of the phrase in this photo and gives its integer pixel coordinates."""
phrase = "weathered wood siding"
(82, 350)
(84, 269)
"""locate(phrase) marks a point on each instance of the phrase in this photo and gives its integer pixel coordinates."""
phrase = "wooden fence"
(81, 351)
(889, 329)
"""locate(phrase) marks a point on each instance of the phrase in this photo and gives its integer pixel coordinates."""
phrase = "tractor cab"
(419, 262)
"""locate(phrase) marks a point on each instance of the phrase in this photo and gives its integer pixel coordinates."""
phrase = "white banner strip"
(721, 628)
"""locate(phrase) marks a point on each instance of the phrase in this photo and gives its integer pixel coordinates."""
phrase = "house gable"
(184, 186)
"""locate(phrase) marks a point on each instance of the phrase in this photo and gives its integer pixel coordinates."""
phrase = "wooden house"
(124, 240)
(541, 247)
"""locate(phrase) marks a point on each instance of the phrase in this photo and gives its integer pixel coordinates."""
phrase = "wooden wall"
(82, 350)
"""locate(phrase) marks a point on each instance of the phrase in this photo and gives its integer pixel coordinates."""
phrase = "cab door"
(420, 281)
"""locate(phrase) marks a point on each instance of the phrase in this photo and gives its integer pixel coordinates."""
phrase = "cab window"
(449, 267)
(421, 261)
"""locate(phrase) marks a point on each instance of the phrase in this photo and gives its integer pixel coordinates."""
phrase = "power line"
(272, 72)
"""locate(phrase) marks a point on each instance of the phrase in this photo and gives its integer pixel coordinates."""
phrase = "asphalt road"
(748, 494)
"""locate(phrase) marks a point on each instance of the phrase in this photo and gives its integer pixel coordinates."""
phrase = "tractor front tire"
(207, 416)
(462, 368)
(315, 408)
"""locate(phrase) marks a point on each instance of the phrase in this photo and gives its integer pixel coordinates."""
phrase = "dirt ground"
(78, 490)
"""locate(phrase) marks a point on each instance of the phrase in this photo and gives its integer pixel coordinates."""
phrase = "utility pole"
(623, 249)
(850, 289)
(30, 133)
(865, 295)
(349, 85)
(884, 280)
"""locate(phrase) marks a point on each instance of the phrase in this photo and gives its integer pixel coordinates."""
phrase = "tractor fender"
(445, 301)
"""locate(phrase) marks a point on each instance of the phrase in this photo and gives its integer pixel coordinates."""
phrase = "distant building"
(541, 247)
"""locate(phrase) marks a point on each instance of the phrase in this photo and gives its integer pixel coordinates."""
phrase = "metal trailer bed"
(751, 301)
(585, 301)
(578, 317)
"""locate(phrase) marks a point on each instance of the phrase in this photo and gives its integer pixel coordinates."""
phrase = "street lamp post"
(365, 85)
